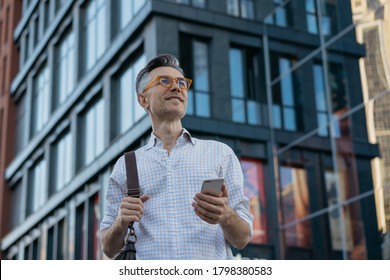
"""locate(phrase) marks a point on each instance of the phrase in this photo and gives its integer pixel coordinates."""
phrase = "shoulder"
(214, 144)
(119, 169)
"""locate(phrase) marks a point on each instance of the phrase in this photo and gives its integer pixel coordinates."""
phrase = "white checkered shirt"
(169, 228)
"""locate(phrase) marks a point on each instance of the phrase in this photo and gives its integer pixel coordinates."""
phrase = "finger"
(224, 191)
(215, 200)
(207, 211)
(205, 218)
(208, 206)
(144, 198)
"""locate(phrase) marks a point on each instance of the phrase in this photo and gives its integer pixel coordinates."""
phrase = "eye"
(165, 81)
(182, 83)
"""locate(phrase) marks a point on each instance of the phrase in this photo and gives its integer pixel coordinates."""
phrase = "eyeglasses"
(166, 81)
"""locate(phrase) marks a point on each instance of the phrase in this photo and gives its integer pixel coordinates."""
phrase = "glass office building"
(278, 81)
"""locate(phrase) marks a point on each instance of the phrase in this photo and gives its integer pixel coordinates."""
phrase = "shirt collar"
(184, 137)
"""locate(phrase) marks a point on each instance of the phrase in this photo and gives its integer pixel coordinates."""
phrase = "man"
(173, 220)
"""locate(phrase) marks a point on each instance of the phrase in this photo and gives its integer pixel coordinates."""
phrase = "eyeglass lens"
(167, 81)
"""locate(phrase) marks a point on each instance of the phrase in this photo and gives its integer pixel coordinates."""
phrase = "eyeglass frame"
(173, 79)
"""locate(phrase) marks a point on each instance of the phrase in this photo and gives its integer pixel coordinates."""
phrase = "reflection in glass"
(319, 90)
(281, 15)
(295, 206)
(201, 88)
(352, 222)
(284, 95)
(244, 85)
(240, 8)
(254, 189)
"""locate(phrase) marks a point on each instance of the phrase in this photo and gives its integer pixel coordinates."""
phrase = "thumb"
(225, 192)
(144, 198)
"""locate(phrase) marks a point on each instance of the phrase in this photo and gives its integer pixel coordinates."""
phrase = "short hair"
(162, 60)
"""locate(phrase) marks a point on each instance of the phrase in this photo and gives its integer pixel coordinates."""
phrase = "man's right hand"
(131, 209)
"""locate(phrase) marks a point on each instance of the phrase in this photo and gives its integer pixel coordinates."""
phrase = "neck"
(168, 132)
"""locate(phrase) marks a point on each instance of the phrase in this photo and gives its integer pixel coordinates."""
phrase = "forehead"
(165, 71)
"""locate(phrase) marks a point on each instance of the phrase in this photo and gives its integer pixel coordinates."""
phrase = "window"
(337, 85)
(353, 229)
(194, 3)
(93, 132)
(41, 92)
(328, 17)
(244, 85)
(284, 94)
(55, 241)
(254, 189)
(320, 96)
(59, 4)
(95, 31)
(93, 228)
(65, 68)
(62, 163)
(46, 14)
(195, 52)
(80, 237)
(128, 9)
(25, 47)
(31, 251)
(241, 8)
(21, 124)
(126, 110)
(294, 195)
(36, 189)
(281, 15)
(16, 205)
(36, 31)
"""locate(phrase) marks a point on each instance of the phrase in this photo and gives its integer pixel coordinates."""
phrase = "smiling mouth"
(175, 98)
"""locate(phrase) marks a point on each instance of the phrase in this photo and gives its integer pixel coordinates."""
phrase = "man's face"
(164, 103)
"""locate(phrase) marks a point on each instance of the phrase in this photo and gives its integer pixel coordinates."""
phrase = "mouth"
(178, 98)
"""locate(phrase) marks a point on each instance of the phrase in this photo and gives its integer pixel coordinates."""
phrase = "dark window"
(281, 15)
(285, 94)
(241, 8)
(195, 60)
(245, 85)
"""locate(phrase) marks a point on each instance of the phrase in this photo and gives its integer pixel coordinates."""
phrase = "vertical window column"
(93, 136)
(41, 96)
(244, 85)
(283, 107)
(65, 68)
(95, 32)
(36, 189)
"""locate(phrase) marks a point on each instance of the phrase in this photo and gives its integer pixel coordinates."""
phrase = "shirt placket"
(173, 199)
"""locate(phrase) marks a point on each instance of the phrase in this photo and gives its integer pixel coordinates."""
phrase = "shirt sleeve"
(232, 172)
(115, 193)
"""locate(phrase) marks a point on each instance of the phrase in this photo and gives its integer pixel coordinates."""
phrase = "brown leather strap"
(132, 175)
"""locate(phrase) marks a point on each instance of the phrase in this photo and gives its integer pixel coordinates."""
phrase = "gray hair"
(162, 60)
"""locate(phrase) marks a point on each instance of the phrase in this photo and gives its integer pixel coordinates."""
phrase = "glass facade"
(278, 81)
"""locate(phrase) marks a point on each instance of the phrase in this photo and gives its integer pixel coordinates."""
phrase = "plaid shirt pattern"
(169, 228)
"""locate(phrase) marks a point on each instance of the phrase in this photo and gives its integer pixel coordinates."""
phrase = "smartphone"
(212, 186)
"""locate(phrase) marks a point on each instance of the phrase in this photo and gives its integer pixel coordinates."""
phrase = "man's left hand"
(213, 209)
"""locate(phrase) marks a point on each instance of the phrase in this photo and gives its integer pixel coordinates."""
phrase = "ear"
(143, 101)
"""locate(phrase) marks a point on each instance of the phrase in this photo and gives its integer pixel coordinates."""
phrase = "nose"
(175, 86)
